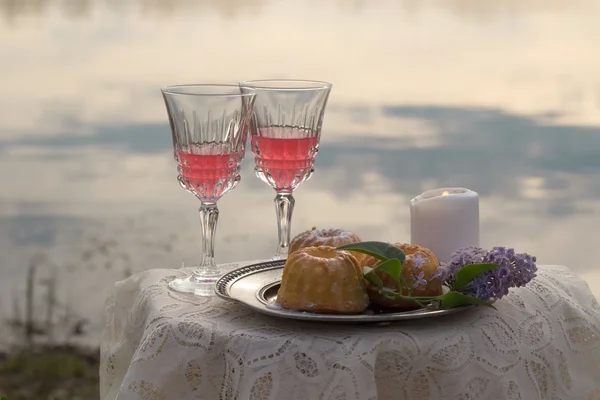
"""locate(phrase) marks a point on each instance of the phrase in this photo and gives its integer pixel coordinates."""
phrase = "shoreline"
(58, 372)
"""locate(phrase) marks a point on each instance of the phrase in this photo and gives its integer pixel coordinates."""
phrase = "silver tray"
(256, 286)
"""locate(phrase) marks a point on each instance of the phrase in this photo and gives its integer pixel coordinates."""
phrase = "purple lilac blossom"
(419, 279)
(515, 270)
(418, 260)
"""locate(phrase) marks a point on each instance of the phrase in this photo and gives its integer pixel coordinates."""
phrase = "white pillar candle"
(444, 220)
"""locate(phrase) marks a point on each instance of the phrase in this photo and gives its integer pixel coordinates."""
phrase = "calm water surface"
(500, 97)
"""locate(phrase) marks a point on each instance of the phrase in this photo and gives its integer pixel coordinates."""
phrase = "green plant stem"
(404, 297)
(418, 299)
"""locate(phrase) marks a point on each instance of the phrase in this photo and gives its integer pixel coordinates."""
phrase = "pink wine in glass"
(209, 127)
(284, 156)
(208, 170)
(286, 127)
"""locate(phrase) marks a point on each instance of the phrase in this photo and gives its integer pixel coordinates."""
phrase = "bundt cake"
(323, 280)
(418, 259)
(324, 237)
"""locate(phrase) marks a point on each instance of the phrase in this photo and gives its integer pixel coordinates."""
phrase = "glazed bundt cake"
(323, 280)
(418, 259)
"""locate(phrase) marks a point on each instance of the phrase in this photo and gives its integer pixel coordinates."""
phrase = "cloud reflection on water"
(535, 166)
(81, 9)
(153, 9)
(128, 191)
(110, 67)
(498, 153)
(501, 97)
(492, 150)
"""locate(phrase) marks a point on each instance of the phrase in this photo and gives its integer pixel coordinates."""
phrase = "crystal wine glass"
(209, 127)
(286, 129)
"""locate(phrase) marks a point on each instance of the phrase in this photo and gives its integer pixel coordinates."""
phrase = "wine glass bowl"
(209, 127)
(285, 133)
(209, 170)
(284, 156)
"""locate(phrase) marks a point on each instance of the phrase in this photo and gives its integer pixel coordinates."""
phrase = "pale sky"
(109, 66)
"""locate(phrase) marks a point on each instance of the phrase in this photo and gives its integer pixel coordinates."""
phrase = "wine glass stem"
(209, 215)
(284, 206)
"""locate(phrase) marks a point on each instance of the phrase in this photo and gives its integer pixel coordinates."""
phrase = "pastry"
(325, 237)
(418, 259)
(323, 280)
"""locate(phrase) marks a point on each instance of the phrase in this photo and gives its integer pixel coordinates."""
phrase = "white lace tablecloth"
(543, 342)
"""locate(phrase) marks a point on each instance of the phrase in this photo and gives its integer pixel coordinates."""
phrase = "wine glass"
(286, 129)
(209, 127)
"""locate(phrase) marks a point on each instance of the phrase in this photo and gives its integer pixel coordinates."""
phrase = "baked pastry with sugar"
(323, 280)
(324, 237)
(420, 265)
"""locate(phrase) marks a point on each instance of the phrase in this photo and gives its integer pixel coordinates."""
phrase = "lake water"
(502, 97)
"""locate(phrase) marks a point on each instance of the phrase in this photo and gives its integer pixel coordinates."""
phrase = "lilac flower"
(440, 274)
(515, 270)
(419, 280)
(418, 260)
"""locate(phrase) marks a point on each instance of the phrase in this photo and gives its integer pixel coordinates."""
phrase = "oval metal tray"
(256, 286)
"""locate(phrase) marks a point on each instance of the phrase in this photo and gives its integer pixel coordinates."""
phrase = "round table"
(542, 342)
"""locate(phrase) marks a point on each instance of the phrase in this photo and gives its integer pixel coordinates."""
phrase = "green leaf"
(388, 294)
(455, 299)
(373, 280)
(466, 274)
(392, 267)
(380, 250)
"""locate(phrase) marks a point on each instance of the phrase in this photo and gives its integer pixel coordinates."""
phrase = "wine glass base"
(196, 285)
(278, 257)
